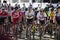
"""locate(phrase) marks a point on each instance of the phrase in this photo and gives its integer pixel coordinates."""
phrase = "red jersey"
(3, 14)
(16, 16)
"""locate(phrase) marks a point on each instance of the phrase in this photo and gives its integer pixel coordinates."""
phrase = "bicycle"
(40, 32)
(20, 29)
(41, 29)
(33, 30)
(28, 30)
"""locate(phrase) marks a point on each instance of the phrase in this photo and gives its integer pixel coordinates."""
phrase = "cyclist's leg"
(38, 25)
(4, 24)
(42, 25)
(51, 22)
(14, 23)
(7, 25)
(40, 29)
(29, 21)
(27, 26)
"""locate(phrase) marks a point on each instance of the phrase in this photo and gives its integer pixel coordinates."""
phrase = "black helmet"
(16, 8)
(4, 1)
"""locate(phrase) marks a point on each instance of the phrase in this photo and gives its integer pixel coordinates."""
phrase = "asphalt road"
(44, 37)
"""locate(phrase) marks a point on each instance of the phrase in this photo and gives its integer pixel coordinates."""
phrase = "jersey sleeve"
(26, 14)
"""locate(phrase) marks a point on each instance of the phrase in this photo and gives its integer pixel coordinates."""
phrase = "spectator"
(23, 8)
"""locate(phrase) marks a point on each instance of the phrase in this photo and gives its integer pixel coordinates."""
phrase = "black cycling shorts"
(29, 21)
(2, 19)
(9, 19)
(42, 22)
(58, 20)
(51, 21)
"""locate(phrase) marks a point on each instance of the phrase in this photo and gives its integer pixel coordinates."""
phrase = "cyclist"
(58, 17)
(15, 17)
(51, 15)
(41, 19)
(3, 16)
(29, 18)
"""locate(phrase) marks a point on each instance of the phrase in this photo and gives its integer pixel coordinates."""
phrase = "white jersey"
(29, 15)
(40, 16)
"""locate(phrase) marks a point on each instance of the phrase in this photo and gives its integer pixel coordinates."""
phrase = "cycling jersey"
(48, 14)
(45, 14)
(51, 15)
(16, 16)
(29, 15)
(40, 16)
(3, 14)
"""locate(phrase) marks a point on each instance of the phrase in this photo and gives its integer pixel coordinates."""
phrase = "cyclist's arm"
(20, 16)
(38, 18)
(11, 18)
(33, 16)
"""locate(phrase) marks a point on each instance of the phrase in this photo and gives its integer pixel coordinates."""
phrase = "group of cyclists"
(29, 17)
